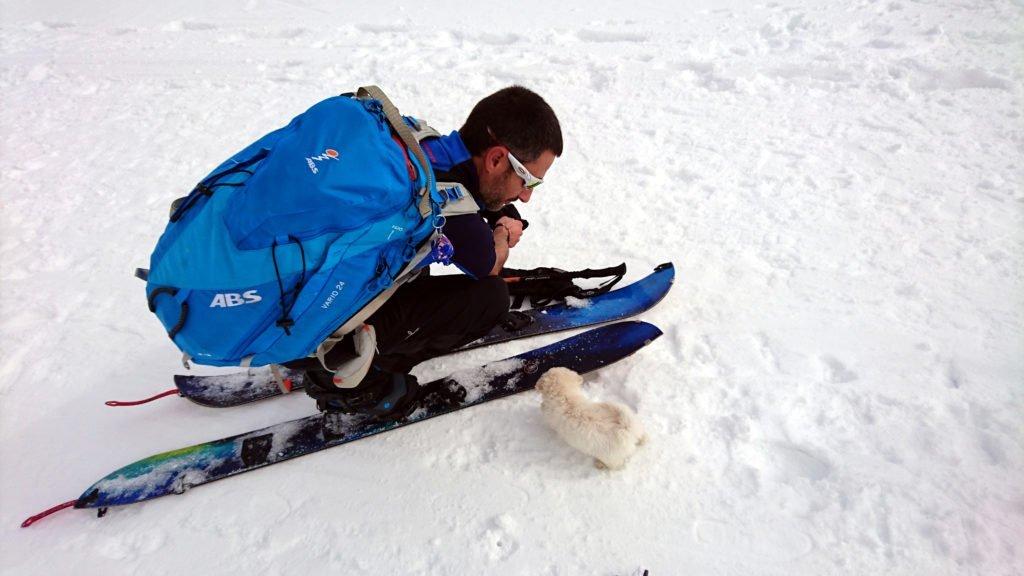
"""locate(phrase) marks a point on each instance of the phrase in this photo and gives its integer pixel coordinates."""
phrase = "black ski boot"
(380, 395)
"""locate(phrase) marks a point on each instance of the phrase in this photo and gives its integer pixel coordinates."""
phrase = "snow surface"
(477, 380)
(839, 387)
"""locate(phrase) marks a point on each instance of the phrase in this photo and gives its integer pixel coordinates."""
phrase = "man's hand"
(507, 232)
(514, 228)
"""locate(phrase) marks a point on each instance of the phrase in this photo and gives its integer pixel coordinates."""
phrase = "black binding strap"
(514, 320)
(617, 273)
(546, 285)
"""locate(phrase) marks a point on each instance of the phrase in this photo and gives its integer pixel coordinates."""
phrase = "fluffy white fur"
(608, 431)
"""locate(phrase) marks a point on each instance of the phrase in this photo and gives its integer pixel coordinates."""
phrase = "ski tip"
(632, 329)
(646, 331)
(654, 332)
(667, 268)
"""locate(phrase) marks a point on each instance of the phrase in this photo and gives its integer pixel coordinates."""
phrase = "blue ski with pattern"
(176, 471)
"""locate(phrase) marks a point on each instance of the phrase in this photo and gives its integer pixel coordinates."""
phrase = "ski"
(227, 390)
(176, 471)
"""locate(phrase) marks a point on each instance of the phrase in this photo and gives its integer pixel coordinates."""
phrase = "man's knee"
(493, 294)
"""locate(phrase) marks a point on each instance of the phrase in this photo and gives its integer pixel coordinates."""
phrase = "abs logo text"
(231, 299)
(329, 154)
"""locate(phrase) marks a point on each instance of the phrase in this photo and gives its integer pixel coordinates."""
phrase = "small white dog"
(608, 431)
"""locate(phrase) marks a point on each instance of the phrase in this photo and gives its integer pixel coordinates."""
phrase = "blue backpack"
(301, 235)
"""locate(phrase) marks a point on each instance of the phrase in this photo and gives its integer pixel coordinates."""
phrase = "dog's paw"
(609, 465)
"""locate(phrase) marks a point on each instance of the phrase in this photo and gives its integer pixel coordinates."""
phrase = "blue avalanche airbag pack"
(289, 238)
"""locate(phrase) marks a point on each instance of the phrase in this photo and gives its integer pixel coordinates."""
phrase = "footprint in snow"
(767, 352)
(500, 538)
(794, 461)
(837, 372)
(131, 545)
(786, 462)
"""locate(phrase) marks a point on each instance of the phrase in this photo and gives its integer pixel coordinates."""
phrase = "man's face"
(502, 186)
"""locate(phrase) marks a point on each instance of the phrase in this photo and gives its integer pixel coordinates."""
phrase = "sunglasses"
(529, 180)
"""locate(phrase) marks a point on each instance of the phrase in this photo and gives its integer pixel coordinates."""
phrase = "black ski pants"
(429, 317)
(433, 315)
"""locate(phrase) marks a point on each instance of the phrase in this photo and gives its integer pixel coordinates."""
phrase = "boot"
(380, 394)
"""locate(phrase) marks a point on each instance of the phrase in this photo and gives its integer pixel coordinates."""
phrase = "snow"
(477, 379)
(574, 302)
(282, 440)
(839, 387)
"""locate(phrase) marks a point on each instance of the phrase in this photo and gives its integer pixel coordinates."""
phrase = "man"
(502, 152)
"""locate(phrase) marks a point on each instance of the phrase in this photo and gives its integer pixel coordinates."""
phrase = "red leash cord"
(137, 402)
(42, 515)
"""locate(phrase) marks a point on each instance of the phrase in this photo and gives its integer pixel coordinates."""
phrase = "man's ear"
(493, 157)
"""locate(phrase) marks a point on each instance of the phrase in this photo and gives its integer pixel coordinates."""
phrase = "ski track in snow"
(838, 391)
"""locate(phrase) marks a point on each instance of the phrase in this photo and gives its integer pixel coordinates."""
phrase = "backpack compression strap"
(398, 125)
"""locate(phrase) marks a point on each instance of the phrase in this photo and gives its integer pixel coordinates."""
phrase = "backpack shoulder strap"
(456, 200)
(405, 133)
(421, 129)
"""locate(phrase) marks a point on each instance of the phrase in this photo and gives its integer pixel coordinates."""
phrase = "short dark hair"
(517, 118)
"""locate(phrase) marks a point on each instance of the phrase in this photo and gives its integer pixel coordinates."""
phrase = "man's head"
(513, 125)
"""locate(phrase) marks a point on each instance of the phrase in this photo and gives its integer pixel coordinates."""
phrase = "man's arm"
(507, 232)
(501, 248)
